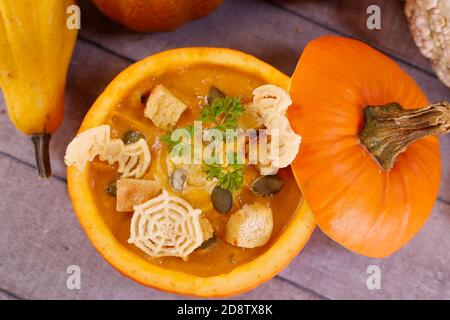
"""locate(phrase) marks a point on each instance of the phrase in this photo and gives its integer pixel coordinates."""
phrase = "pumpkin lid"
(369, 164)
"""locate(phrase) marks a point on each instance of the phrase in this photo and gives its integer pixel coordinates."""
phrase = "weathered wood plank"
(278, 289)
(269, 23)
(7, 296)
(418, 271)
(444, 193)
(41, 237)
(349, 17)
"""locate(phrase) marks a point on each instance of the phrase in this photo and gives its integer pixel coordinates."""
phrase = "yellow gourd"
(35, 50)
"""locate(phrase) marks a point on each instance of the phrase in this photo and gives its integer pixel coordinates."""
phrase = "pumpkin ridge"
(358, 184)
(344, 188)
(382, 216)
(422, 165)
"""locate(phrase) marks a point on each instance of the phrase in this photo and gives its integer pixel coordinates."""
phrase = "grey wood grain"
(278, 29)
(349, 17)
(418, 271)
(4, 295)
(279, 289)
(41, 238)
(444, 193)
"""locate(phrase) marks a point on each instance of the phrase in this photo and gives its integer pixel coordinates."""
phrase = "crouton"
(207, 228)
(163, 108)
(250, 227)
(131, 192)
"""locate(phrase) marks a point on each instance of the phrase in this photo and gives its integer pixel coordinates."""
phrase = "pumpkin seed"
(111, 189)
(265, 186)
(214, 94)
(206, 244)
(132, 136)
(222, 199)
(178, 179)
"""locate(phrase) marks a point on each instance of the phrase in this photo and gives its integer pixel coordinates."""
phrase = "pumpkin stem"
(389, 129)
(41, 144)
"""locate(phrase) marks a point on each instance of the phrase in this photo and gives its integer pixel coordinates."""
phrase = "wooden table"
(40, 236)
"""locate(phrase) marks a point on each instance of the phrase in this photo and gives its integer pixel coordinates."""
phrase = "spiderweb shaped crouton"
(166, 226)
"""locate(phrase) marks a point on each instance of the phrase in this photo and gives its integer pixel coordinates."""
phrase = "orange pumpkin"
(370, 174)
(156, 15)
(103, 225)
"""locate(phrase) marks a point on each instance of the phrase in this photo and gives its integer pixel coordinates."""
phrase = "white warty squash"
(429, 21)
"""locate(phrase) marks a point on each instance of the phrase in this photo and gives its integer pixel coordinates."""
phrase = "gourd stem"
(389, 129)
(41, 143)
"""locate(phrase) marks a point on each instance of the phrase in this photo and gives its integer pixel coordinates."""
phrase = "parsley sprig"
(226, 179)
(167, 138)
(230, 177)
(221, 113)
(224, 114)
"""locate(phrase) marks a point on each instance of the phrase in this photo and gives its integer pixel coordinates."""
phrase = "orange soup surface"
(190, 85)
